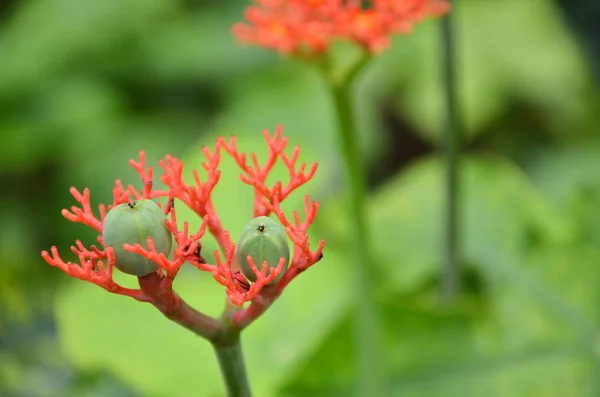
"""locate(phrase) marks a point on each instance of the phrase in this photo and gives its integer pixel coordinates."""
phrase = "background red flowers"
(307, 27)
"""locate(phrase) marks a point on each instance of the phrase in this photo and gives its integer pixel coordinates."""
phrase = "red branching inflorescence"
(307, 27)
(96, 263)
(256, 175)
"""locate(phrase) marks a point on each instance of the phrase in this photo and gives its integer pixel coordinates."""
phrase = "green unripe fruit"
(133, 223)
(264, 240)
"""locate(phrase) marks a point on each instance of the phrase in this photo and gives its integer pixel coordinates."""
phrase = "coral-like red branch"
(84, 214)
(256, 175)
(262, 278)
(96, 263)
(167, 301)
(268, 200)
(123, 194)
(302, 259)
(196, 197)
(91, 268)
(145, 174)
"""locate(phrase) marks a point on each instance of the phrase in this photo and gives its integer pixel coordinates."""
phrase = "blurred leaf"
(508, 348)
(59, 92)
(538, 300)
(184, 49)
(571, 269)
(503, 221)
(563, 173)
(504, 50)
(31, 362)
(500, 212)
(74, 113)
(433, 352)
(66, 30)
(568, 177)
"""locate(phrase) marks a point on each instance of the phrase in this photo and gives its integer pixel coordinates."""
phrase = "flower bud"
(264, 240)
(132, 223)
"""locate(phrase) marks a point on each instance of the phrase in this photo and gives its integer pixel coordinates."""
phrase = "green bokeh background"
(85, 85)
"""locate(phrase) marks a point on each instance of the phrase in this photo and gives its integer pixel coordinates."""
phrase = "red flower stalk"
(96, 263)
(307, 27)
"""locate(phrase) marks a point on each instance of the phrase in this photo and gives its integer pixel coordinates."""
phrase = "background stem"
(452, 133)
(368, 356)
(233, 370)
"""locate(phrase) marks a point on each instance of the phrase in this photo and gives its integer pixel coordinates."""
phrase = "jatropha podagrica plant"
(137, 231)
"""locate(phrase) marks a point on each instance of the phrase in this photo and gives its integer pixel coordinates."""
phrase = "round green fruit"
(132, 223)
(263, 239)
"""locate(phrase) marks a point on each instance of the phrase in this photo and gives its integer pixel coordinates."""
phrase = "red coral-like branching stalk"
(96, 264)
(197, 197)
(267, 201)
(256, 175)
(84, 214)
(302, 259)
(91, 268)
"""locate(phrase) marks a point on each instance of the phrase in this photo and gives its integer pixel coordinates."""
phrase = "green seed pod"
(133, 223)
(264, 240)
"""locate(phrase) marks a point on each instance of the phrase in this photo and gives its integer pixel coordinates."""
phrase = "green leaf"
(545, 67)
(31, 361)
(183, 49)
(534, 319)
(499, 210)
(564, 172)
(31, 61)
(503, 220)
(440, 352)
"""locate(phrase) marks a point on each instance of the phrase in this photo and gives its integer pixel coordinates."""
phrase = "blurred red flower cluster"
(307, 27)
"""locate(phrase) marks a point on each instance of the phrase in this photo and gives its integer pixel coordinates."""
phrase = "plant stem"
(223, 335)
(366, 327)
(163, 297)
(451, 276)
(233, 370)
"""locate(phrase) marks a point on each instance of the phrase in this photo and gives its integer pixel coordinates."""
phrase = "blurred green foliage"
(85, 85)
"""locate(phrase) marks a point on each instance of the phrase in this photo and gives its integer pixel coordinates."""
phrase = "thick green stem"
(452, 135)
(369, 360)
(233, 370)
(223, 335)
